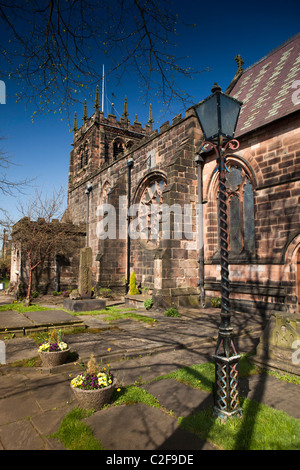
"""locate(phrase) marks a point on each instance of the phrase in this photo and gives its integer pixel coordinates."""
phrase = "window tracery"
(118, 148)
(241, 221)
(150, 212)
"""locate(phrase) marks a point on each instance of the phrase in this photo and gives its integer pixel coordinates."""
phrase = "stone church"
(121, 164)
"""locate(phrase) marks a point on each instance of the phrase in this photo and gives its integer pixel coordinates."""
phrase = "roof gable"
(266, 88)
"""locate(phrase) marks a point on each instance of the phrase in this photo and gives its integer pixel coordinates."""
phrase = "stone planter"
(94, 399)
(54, 358)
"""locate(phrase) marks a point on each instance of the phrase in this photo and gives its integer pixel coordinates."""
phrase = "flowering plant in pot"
(93, 388)
(53, 350)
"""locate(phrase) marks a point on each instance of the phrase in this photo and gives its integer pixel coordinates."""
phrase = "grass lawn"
(76, 435)
(110, 313)
(21, 308)
(6, 282)
(260, 428)
(114, 313)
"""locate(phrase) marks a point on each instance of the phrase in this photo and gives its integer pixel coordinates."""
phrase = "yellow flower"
(108, 349)
(118, 389)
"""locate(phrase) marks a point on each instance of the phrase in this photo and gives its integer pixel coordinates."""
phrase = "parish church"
(121, 164)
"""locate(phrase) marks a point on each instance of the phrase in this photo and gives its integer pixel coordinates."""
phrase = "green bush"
(34, 294)
(148, 303)
(133, 288)
(172, 312)
(105, 292)
(216, 302)
(55, 293)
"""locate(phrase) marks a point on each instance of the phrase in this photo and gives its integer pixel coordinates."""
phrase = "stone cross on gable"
(240, 63)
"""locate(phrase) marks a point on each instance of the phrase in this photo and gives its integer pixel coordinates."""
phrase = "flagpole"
(102, 108)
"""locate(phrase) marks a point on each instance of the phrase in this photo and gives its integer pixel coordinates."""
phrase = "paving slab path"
(34, 401)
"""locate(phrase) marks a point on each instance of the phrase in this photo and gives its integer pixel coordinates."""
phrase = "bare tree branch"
(38, 235)
(53, 47)
(7, 185)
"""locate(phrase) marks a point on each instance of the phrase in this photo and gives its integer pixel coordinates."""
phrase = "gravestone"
(85, 303)
(279, 345)
(85, 273)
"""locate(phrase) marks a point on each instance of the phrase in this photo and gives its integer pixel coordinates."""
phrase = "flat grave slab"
(141, 427)
(51, 317)
(10, 319)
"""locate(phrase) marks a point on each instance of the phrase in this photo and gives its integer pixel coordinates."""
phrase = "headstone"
(84, 305)
(85, 273)
(279, 345)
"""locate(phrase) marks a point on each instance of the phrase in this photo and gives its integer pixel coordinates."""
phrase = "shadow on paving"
(139, 426)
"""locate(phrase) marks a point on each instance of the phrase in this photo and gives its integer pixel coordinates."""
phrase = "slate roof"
(266, 89)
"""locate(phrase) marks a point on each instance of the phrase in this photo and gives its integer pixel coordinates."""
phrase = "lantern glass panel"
(207, 113)
(229, 115)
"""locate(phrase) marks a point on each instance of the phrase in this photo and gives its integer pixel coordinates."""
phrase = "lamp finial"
(215, 88)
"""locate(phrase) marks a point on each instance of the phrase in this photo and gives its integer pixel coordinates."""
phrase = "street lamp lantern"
(218, 116)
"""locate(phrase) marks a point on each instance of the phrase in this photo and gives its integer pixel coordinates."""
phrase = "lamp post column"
(218, 116)
(226, 356)
(200, 163)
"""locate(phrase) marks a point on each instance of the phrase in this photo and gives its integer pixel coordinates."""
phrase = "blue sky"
(41, 149)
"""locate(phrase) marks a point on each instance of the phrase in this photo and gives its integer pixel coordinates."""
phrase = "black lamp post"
(218, 115)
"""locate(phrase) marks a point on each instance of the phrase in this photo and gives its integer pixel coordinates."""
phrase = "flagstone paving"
(34, 401)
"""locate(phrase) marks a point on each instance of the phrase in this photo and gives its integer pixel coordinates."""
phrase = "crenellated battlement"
(99, 118)
(101, 140)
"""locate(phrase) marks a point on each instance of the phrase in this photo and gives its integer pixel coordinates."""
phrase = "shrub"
(55, 293)
(216, 302)
(172, 312)
(148, 303)
(133, 288)
(34, 294)
(105, 292)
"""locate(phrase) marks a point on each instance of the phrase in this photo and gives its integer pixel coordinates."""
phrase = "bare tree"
(54, 46)
(39, 234)
(9, 186)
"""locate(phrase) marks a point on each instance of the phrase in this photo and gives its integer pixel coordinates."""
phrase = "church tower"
(100, 141)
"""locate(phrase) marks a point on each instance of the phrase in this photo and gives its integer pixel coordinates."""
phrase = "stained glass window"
(241, 221)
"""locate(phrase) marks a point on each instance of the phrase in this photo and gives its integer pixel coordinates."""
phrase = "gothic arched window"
(150, 211)
(118, 148)
(129, 144)
(241, 223)
(84, 155)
